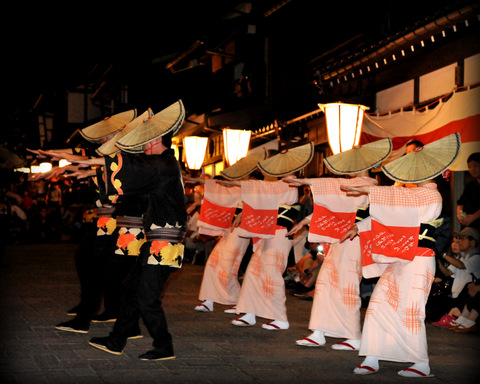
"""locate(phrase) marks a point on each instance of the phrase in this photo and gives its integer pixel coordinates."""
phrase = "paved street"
(40, 284)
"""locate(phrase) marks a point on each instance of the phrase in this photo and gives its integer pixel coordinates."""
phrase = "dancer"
(91, 255)
(394, 327)
(128, 235)
(220, 278)
(269, 211)
(156, 173)
(336, 302)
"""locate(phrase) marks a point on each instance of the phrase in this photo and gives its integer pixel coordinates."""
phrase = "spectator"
(468, 205)
(466, 322)
(5, 222)
(305, 271)
(27, 203)
(442, 285)
(463, 270)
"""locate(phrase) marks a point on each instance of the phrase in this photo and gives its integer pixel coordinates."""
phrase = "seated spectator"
(467, 321)
(463, 270)
(441, 290)
(304, 273)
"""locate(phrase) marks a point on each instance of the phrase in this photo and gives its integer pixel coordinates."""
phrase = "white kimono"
(263, 287)
(394, 327)
(336, 302)
(220, 277)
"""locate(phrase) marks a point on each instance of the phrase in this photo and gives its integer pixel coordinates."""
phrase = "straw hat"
(287, 161)
(96, 132)
(166, 121)
(426, 162)
(109, 147)
(360, 158)
(244, 166)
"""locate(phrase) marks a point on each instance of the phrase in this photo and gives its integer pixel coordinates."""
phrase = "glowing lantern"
(45, 167)
(235, 144)
(344, 125)
(195, 148)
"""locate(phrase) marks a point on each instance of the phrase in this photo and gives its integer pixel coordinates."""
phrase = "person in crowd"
(336, 303)
(442, 284)
(467, 321)
(269, 211)
(28, 204)
(305, 271)
(19, 219)
(5, 223)
(156, 173)
(394, 326)
(464, 270)
(468, 205)
(220, 215)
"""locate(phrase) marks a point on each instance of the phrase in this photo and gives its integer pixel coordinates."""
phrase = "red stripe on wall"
(469, 129)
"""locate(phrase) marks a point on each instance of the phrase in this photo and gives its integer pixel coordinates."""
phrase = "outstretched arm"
(350, 234)
(355, 191)
(297, 227)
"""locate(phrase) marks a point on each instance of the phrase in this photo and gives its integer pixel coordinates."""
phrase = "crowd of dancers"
(367, 230)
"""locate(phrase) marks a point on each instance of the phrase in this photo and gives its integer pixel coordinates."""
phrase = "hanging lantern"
(45, 167)
(35, 169)
(195, 148)
(235, 144)
(63, 163)
(344, 125)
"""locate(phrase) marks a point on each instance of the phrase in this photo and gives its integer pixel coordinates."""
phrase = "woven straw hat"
(96, 132)
(110, 147)
(425, 163)
(244, 166)
(359, 158)
(168, 120)
(287, 161)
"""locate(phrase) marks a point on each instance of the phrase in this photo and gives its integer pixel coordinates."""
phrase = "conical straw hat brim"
(425, 163)
(168, 120)
(107, 126)
(360, 158)
(110, 148)
(287, 161)
(244, 166)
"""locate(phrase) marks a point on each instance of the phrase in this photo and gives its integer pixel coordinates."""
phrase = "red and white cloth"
(459, 113)
(261, 200)
(218, 208)
(333, 211)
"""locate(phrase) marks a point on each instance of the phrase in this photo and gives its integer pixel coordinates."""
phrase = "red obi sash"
(259, 221)
(398, 242)
(216, 215)
(330, 224)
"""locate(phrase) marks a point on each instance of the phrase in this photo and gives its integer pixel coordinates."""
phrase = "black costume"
(164, 222)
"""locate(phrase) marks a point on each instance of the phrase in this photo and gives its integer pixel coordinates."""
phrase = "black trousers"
(91, 262)
(143, 288)
(118, 269)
